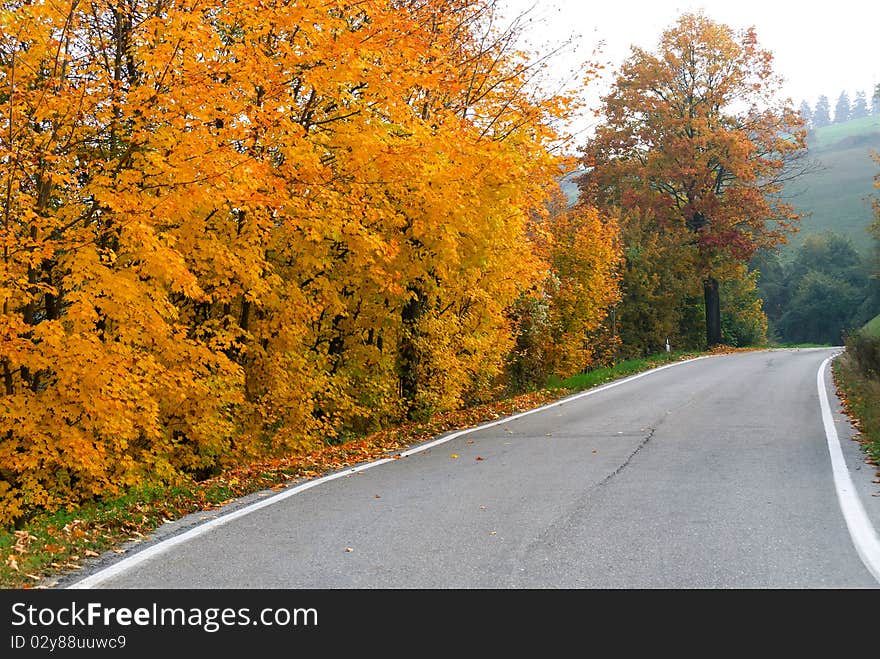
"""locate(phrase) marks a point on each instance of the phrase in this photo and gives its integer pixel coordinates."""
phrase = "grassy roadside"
(860, 396)
(620, 370)
(54, 544)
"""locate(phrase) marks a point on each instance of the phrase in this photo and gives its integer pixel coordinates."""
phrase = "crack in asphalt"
(539, 542)
(629, 458)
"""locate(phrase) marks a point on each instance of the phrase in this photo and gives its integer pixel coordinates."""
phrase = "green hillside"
(830, 135)
(872, 327)
(834, 196)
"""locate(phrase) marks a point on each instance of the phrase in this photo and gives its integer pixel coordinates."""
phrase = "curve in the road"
(152, 551)
(858, 524)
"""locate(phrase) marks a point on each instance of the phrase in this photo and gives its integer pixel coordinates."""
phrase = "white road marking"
(862, 532)
(161, 547)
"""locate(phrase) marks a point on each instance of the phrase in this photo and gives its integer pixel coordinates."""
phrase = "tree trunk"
(408, 353)
(713, 311)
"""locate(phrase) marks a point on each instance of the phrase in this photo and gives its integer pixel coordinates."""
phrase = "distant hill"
(569, 186)
(836, 196)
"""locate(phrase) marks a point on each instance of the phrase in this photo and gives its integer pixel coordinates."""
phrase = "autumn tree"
(658, 287)
(558, 323)
(233, 229)
(743, 320)
(102, 384)
(696, 136)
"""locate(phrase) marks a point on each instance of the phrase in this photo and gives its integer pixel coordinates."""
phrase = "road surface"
(713, 473)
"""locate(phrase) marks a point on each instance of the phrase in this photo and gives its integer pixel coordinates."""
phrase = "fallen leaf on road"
(348, 550)
(453, 455)
(478, 458)
(493, 533)
(89, 552)
(376, 496)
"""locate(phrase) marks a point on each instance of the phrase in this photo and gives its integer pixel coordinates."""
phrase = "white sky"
(818, 49)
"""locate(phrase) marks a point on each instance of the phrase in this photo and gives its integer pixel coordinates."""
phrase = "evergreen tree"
(822, 113)
(859, 107)
(842, 109)
(806, 113)
(875, 101)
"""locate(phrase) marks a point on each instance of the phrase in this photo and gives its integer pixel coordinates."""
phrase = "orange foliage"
(237, 229)
(696, 136)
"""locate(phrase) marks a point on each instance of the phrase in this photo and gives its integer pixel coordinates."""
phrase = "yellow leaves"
(584, 251)
(232, 228)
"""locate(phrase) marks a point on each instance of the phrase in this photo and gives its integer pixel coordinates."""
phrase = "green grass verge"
(62, 541)
(620, 370)
(861, 400)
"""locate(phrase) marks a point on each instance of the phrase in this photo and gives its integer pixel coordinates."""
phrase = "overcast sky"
(818, 49)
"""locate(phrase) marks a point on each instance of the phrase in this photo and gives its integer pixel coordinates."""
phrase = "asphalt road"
(713, 473)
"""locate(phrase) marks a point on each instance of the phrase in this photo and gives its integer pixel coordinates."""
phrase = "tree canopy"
(233, 229)
(696, 137)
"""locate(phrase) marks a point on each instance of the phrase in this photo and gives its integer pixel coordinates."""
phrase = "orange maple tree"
(697, 136)
(236, 229)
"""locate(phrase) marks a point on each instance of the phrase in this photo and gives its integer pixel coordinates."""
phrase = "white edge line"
(152, 551)
(864, 536)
